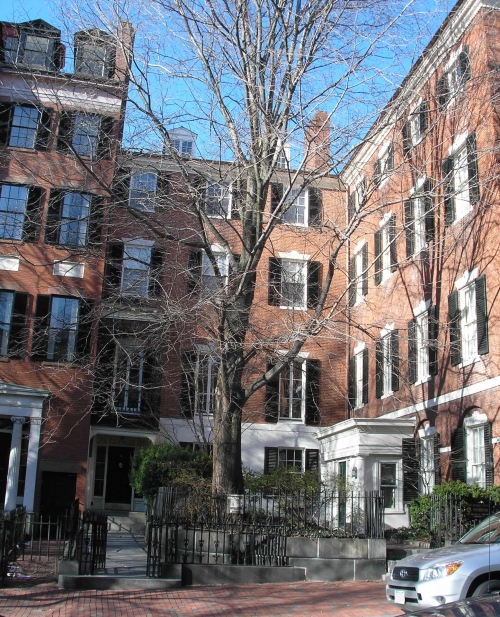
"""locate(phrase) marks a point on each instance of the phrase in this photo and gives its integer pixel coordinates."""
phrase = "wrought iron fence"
(252, 529)
(11, 534)
(91, 542)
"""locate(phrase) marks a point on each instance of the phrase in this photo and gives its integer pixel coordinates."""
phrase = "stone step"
(134, 522)
(103, 582)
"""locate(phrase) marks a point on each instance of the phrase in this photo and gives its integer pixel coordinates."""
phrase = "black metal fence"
(11, 535)
(252, 529)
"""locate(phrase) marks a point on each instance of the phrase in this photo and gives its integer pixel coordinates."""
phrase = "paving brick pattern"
(310, 599)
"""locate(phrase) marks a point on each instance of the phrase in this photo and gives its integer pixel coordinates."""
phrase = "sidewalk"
(359, 599)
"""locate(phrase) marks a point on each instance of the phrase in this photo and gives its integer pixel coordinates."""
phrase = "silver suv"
(471, 567)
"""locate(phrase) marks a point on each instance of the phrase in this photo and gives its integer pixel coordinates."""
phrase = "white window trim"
(302, 358)
(385, 252)
(386, 332)
(216, 250)
(399, 509)
(411, 116)
(141, 244)
(359, 297)
(358, 368)
(427, 437)
(204, 350)
(461, 284)
(472, 423)
(382, 157)
(421, 308)
(296, 257)
(137, 172)
(229, 187)
(291, 203)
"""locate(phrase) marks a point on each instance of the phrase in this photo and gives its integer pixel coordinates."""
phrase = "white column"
(14, 463)
(34, 444)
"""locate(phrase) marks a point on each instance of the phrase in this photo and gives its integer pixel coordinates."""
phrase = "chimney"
(124, 50)
(317, 143)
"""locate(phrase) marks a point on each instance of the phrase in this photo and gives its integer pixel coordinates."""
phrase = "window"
(419, 219)
(38, 50)
(294, 283)
(133, 269)
(198, 382)
(94, 54)
(296, 213)
(143, 191)
(302, 208)
(388, 485)
(218, 200)
(13, 307)
(183, 147)
(427, 465)
(292, 391)
(85, 134)
(461, 180)
(415, 127)
(421, 463)
(358, 274)
(25, 126)
(468, 319)
(453, 81)
(135, 274)
(74, 219)
(387, 364)
(19, 212)
(471, 451)
(128, 379)
(385, 249)
(294, 459)
(358, 378)
(422, 344)
(383, 165)
(62, 328)
(356, 199)
(210, 280)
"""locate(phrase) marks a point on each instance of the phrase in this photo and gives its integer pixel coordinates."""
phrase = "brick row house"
(423, 273)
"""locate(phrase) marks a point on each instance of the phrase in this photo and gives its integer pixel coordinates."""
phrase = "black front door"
(5, 439)
(58, 492)
(118, 489)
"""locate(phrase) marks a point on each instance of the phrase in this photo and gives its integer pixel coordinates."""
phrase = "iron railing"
(252, 529)
(12, 529)
(91, 542)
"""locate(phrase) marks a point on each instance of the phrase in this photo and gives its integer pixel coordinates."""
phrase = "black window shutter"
(44, 133)
(423, 116)
(464, 61)
(105, 141)
(163, 189)
(194, 271)
(65, 134)
(113, 268)
(105, 370)
(448, 189)
(473, 170)
(442, 91)
(364, 265)
(121, 187)
(377, 173)
(389, 165)
(351, 206)
(5, 118)
(276, 195)
(315, 206)
(412, 351)
(188, 385)
(312, 460)
(313, 283)
(433, 324)
(437, 459)
(458, 458)
(96, 220)
(270, 459)
(411, 468)
(395, 360)
(365, 376)
(392, 243)
(454, 325)
(488, 455)
(151, 385)
(53, 223)
(312, 391)
(33, 216)
(379, 360)
(84, 337)
(429, 212)
(41, 328)
(481, 316)
(155, 272)
(406, 138)
(18, 328)
(351, 383)
(378, 257)
(352, 281)
(274, 288)
(409, 228)
(272, 398)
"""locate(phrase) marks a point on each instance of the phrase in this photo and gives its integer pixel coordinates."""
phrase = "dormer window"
(183, 147)
(35, 44)
(182, 142)
(94, 54)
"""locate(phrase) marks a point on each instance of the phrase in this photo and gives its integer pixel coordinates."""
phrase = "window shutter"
(105, 141)
(44, 134)
(53, 223)
(481, 316)
(464, 62)
(270, 459)
(488, 455)
(66, 125)
(312, 460)
(364, 264)
(433, 324)
(412, 351)
(365, 376)
(429, 212)
(276, 196)
(410, 231)
(163, 189)
(378, 257)
(272, 397)
(458, 459)
(33, 216)
(389, 164)
(151, 385)
(442, 90)
(377, 173)
(473, 170)
(315, 196)
(5, 117)
(351, 383)
(454, 326)
(392, 243)
(313, 283)
(423, 114)
(113, 268)
(352, 281)
(105, 371)
(188, 384)
(155, 272)
(437, 459)
(448, 189)
(121, 187)
(96, 220)
(395, 360)
(379, 359)
(18, 334)
(194, 271)
(312, 391)
(411, 468)
(406, 138)
(83, 346)
(41, 328)
(274, 289)
(351, 206)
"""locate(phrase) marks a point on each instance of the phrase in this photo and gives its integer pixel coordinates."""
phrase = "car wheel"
(486, 588)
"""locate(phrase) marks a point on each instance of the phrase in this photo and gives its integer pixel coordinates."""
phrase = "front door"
(5, 439)
(118, 489)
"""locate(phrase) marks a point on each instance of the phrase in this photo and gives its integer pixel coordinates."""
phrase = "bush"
(281, 480)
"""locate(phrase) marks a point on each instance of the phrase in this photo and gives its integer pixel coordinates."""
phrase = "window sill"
(293, 308)
(386, 395)
(423, 380)
(293, 420)
(469, 361)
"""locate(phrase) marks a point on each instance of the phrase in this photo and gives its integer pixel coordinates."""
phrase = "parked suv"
(471, 567)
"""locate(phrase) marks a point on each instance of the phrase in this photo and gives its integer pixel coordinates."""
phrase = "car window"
(487, 532)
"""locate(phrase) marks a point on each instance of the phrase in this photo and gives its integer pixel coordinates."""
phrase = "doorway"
(118, 489)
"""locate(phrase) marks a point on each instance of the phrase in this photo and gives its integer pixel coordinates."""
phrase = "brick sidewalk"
(360, 599)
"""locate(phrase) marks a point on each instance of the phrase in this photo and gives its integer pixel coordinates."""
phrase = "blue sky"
(13, 10)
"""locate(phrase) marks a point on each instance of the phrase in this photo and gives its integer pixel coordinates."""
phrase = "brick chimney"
(317, 143)
(124, 50)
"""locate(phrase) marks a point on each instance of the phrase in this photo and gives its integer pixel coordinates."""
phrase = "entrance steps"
(132, 522)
